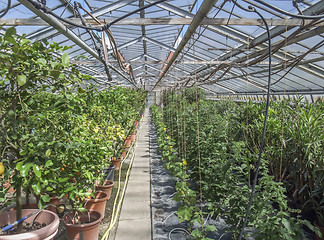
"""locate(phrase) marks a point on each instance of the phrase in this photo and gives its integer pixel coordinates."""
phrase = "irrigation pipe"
(177, 229)
(116, 211)
(252, 9)
(7, 9)
(288, 13)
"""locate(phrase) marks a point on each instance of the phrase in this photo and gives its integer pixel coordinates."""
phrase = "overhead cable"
(7, 9)
(97, 47)
(288, 13)
(252, 9)
(112, 41)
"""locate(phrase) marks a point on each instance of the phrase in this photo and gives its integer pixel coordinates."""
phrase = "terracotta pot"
(24, 206)
(90, 230)
(136, 123)
(133, 137)
(53, 200)
(98, 203)
(106, 187)
(45, 233)
(128, 142)
(321, 229)
(123, 154)
(116, 163)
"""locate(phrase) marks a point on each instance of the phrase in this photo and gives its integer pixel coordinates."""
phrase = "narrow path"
(135, 218)
(148, 210)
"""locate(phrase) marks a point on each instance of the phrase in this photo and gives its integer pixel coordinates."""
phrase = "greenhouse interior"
(161, 119)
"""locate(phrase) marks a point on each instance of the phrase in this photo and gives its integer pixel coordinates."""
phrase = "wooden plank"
(164, 21)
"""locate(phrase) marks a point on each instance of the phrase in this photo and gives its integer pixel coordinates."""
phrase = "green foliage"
(56, 136)
(221, 140)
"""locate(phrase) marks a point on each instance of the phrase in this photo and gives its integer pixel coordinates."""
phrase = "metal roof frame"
(182, 50)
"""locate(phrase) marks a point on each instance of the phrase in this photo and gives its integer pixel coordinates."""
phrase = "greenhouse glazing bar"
(205, 7)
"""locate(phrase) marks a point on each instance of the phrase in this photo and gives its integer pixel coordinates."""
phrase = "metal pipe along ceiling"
(205, 7)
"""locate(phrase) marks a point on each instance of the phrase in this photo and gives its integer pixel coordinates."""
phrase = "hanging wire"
(230, 14)
(97, 47)
(288, 13)
(128, 68)
(252, 9)
(7, 9)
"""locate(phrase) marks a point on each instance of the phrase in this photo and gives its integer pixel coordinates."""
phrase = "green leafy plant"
(27, 69)
(220, 142)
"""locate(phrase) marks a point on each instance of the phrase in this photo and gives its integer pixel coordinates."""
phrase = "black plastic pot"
(110, 172)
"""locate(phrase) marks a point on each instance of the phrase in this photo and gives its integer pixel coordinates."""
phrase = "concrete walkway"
(135, 217)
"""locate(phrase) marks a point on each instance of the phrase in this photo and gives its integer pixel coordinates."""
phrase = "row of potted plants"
(219, 143)
(57, 135)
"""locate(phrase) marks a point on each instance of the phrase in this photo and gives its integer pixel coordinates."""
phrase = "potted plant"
(47, 218)
(26, 70)
(117, 134)
(76, 161)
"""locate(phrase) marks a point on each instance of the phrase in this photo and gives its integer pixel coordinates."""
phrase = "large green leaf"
(48, 152)
(10, 31)
(21, 79)
(63, 179)
(55, 73)
(184, 213)
(25, 169)
(46, 198)
(37, 188)
(286, 223)
(210, 228)
(48, 163)
(54, 64)
(19, 165)
(8, 35)
(37, 171)
(24, 41)
(41, 61)
(65, 59)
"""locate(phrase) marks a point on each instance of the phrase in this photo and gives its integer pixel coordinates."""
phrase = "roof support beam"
(134, 41)
(60, 27)
(175, 67)
(286, 92)
(217, 85)
(187, 55)
(205, 7)
(165, 21)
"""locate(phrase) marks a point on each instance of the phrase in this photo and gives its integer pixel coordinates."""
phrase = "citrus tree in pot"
(26, 69)
(73, 158)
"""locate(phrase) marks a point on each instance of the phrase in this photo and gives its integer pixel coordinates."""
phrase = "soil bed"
(26, 228)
